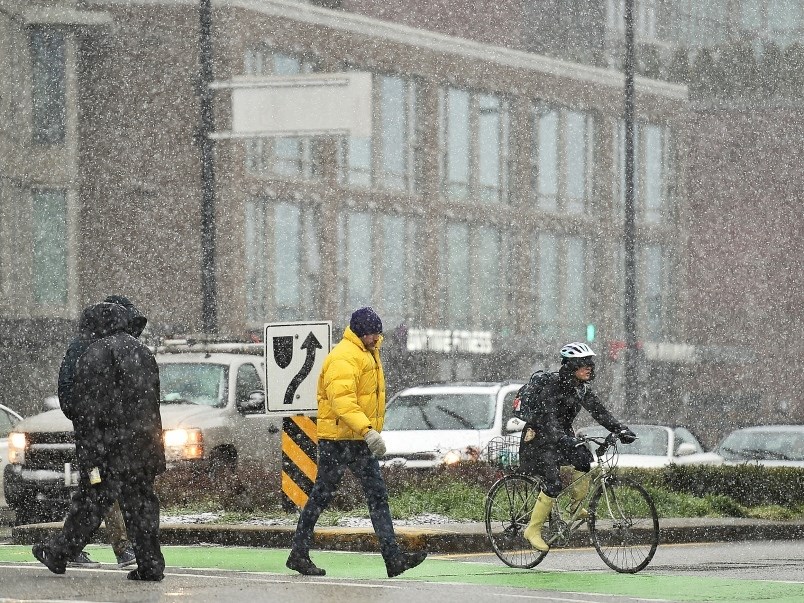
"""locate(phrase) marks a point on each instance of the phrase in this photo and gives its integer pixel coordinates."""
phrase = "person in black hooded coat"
(115, 525)
(118, 432)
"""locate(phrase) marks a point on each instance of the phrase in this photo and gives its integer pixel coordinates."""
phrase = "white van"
(429, 425)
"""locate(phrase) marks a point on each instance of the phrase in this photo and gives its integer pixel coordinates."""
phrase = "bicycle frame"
(563, 521)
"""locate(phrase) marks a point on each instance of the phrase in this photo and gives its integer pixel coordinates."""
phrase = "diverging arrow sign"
(311, 344)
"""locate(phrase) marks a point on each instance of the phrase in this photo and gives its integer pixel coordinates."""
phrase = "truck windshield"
(185, 383)
(440, 411)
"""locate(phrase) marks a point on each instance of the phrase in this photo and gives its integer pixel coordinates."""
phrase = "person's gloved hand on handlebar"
(627, 436)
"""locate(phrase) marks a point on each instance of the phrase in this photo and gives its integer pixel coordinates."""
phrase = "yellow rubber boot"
(541, 511)
(579, 490)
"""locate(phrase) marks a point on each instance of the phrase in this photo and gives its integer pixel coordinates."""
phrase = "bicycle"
(622, 520)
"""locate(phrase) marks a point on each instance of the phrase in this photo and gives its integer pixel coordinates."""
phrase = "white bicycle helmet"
(576, 349)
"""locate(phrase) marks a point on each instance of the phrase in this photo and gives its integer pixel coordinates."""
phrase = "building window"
(473, 278)
(49, 85)
(280, 156)
(562, 159)
(474, 138)
(655, 292)
(558, 269)
(355, 260)
(644, 17)
(781, 21)
(401, 270)
(386, 160)
(282, 261)
(653, 170)
(379, 264)
(49, 247)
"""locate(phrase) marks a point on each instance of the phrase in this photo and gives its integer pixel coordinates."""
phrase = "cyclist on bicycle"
(548, 440)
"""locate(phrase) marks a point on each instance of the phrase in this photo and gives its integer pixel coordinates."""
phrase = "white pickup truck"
(213, 415)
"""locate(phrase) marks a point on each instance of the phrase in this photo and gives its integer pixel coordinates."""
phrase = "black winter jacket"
(557, 404)
(89, 327)
(115, 405)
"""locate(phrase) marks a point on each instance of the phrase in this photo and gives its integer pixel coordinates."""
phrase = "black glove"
(568, 442)
(627, 436)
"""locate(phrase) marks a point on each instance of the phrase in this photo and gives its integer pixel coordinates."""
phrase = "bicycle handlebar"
(603, 444)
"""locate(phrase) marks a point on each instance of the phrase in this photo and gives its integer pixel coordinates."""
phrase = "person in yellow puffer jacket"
(351, 412)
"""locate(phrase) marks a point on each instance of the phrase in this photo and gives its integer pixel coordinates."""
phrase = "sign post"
(294, 355)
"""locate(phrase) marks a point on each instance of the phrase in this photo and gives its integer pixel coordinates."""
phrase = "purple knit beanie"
(365, 322)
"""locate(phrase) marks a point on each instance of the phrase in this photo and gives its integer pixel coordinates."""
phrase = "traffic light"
(590, 333)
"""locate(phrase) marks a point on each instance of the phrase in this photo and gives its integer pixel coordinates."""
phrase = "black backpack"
(526, 401)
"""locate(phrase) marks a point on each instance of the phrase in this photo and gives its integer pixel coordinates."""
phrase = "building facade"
(482, 218)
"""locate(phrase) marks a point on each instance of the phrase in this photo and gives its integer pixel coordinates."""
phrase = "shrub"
(459, 491)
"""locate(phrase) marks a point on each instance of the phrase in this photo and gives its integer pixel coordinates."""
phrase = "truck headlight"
(17, 443)
(183, 444)
(452, 457)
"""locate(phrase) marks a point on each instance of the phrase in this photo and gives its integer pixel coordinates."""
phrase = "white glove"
(375, 442)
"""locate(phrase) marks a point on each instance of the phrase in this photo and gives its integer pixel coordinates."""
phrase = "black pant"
(334, 457)
(545, 460)
(140, 506)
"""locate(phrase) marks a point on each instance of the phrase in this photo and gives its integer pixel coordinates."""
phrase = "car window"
(754, 445)
(440, 411)
(248, 380)
(651, 441)
(6, 423)
(683, 435)
(194, 383)
(508, 406)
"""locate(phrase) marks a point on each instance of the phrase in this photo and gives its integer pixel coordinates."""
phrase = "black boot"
(48, 559)
(302, 564)
(403, 562)
(138, 575)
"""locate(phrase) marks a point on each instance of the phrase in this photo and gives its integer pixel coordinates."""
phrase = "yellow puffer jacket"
(351, 390)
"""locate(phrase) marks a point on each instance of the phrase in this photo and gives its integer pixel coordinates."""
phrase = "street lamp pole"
(209, 313)
(629, 226)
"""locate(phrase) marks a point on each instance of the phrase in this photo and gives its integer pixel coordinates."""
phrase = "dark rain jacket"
(88, 332)
(115, 401)
(554, 407)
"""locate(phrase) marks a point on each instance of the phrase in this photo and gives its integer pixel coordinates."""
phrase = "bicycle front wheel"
(508, 508)
(624, 525)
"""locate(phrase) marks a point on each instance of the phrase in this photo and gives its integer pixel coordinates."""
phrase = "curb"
(449, 538)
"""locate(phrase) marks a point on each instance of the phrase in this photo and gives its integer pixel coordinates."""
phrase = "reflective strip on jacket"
(351, 390)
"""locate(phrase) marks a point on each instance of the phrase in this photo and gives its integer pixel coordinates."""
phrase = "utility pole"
(209, 312)
(629, 227)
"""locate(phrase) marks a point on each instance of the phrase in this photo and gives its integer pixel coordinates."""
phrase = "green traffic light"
(590, 333)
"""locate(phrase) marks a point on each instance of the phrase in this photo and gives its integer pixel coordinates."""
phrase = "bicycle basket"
(503, 452)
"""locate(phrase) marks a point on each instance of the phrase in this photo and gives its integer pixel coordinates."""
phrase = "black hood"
(137, 321)
(100, 320)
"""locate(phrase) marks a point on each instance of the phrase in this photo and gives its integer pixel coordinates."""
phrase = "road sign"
(294, 355)
(299, 105)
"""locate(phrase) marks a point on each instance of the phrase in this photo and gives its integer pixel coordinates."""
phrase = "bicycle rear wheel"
(509, 504)
(624, 525)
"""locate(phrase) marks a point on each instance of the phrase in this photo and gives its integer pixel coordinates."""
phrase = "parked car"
(8, 419)
(659, 446)
(430, 425)
(213, 415)
(769, 445)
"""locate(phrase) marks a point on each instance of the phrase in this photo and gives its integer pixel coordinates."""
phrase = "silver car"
(659, 446)
(768, 445)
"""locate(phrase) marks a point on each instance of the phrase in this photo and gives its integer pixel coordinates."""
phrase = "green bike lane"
(445, 568)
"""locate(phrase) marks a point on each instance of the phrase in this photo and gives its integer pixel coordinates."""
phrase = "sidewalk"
(435, 538)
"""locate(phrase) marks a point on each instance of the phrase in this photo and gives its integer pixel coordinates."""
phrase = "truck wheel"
(222, 464)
